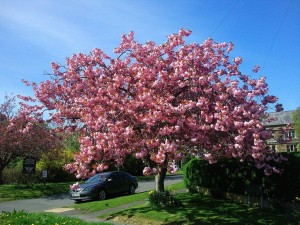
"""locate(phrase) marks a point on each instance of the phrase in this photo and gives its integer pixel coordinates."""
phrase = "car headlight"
(78, 190)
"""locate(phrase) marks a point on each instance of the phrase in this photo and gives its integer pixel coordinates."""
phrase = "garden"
(177, 206)
(194, 209)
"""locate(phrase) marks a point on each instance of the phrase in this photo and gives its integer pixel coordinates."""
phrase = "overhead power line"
(224, 18)
(276, 35)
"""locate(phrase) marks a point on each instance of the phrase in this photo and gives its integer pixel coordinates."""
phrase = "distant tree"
(54, 161)
(70, 142)
(19, 136)
(158, 102)
(296, 121)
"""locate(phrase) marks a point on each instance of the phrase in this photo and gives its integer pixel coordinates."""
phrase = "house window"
(273, 147)
(291, 148)
(289, 134)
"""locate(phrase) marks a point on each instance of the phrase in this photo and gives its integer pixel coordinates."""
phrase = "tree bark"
(159, 179)
(1, 176)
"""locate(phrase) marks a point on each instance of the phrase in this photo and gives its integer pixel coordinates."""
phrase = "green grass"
(15, 192)
(199, 209)
(175, 187)
(110, 203)
(24, 218)
(118, 201)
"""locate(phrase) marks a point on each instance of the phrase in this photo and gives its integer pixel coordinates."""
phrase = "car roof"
(111, 172)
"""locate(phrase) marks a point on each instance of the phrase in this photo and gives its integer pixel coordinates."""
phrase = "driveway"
(58, 201)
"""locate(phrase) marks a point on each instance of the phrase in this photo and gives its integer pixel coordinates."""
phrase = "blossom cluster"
(158, 102)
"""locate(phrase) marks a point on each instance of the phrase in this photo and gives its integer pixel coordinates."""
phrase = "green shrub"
(54, 161)
(191, 175)
(231, 175)
(162, 199)
(222, 176)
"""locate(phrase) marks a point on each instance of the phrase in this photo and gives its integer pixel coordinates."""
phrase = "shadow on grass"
(198, 209)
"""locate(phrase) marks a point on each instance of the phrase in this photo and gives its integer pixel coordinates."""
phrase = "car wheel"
(102, 195)
(78, 201)
(132, 189)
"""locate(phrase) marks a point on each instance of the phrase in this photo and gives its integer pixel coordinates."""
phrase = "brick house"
(282, 142)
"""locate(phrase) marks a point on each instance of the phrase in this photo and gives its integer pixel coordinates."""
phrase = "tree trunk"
(1, 176)
(159, 179)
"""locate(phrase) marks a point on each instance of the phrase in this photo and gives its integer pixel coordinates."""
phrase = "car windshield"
(97, 178)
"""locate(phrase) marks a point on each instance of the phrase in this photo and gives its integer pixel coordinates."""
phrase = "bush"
(162, 198)
(285, 186)
(53, 161)
(13, 173)
(16, 176)
(218, 177)
(230, 175)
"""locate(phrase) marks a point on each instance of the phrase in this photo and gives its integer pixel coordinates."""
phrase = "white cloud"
(43, 28)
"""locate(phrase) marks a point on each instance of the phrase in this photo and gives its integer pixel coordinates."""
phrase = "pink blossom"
(210, 158)
(147, 171)
(238, 60)
(230, 47)
(265, 135)
(74, 186)
(256, 69)
(275, 170)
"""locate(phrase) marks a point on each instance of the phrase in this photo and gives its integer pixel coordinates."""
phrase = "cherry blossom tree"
(158, 102)
(19, 136)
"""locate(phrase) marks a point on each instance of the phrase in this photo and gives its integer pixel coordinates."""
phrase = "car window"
(102, 177)
(122, 176)
(113, 177)
(97, 178)
(93, 179)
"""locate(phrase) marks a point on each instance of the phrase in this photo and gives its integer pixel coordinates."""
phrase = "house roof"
(282, 118)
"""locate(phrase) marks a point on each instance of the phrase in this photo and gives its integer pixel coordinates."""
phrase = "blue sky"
(37, 32)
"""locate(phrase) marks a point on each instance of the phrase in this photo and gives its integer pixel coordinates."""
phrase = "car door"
(113, 184)
(124, 182)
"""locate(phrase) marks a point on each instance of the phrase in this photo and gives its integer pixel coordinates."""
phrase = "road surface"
(62, 200)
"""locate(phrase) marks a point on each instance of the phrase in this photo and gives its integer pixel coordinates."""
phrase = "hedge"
(231, 175)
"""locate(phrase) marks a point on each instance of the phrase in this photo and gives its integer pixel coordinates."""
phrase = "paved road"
(57, 201)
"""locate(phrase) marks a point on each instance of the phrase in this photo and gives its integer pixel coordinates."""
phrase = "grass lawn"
(15, 192)
(24, 218)
(200, 209)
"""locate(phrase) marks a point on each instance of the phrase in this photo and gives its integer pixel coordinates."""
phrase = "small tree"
(19, 136)
(55, 159)
(296, 120)
(158, 102)
(296, 123)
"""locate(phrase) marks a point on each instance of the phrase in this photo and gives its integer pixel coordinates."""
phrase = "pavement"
(92, 216)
